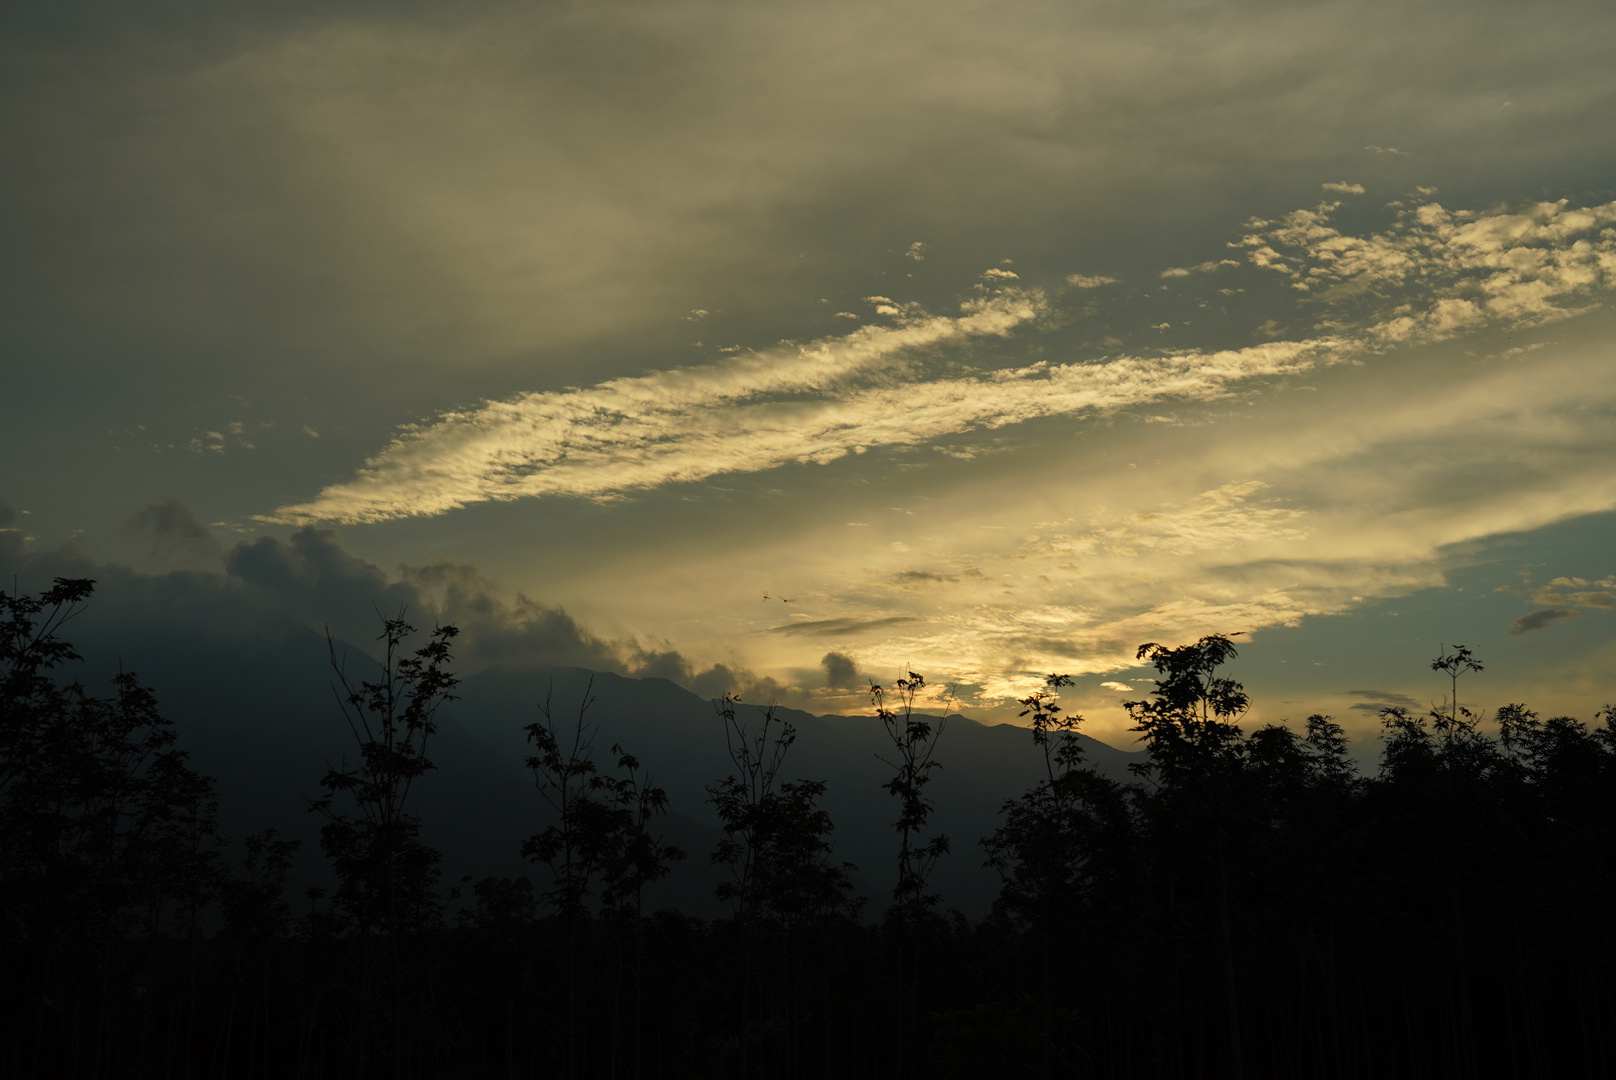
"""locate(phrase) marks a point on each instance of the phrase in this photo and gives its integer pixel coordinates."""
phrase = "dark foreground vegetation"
(1250, 905)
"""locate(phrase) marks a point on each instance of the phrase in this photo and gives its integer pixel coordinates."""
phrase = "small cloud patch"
(924, 577)
(841, 671)
(1376, 700)
(830, 627)
(1199, 268)
(1538, 619)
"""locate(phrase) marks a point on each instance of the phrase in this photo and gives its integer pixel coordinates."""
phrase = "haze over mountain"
(259, 715)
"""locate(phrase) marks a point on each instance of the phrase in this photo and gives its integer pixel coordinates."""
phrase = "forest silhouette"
(1246, 903)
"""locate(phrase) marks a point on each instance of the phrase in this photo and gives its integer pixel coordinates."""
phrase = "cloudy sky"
(775, 347)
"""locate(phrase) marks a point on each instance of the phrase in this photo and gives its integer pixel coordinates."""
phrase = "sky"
(778, 348)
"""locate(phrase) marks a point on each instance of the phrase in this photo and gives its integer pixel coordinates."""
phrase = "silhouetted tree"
(776, 843)
(386, 875)
(914, 742)
(1196, 755)
(1045, 848)
(601, 832)
(1459, 662)
(576, 843)
(776, 848)
(107, 838)
(636, 857)
(914, 739)
(602, 823)
(257, 920)
(1053, 843)
(1188, 725)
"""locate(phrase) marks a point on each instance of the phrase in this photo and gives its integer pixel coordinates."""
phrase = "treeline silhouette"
(1248, 904)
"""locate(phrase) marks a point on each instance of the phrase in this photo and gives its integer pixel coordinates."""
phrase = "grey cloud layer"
(499, 175)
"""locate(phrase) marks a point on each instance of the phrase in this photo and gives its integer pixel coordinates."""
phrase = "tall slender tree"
(1196, 757)
(782, 886)
(914, 737)
(386, 874)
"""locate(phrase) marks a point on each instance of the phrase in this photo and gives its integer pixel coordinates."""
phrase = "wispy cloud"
(837, 397)
(839, 627)
(1436, 274)
(755, 410)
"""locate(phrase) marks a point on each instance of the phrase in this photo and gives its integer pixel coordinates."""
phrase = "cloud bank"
(269, 587)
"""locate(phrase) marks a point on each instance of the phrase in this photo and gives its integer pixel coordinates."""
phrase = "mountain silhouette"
(257, 711)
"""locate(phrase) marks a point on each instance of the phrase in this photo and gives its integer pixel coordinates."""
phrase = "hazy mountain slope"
(257, 711)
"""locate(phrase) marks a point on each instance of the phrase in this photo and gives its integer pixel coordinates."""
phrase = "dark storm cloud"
(8, 514)
(739, 683)
(172, 534)
(841, 671)
(273, 585)
(1538, 619)
(519, 630)
(311, 572)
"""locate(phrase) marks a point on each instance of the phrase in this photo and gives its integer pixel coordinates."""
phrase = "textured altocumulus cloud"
(1441, 272)
(1434, 274)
